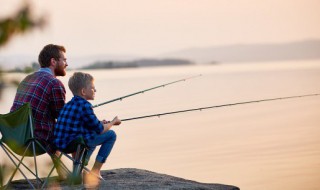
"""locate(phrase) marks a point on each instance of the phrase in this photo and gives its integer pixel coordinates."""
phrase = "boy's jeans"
(106, 140)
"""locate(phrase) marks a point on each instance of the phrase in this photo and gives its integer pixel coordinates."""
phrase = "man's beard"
(59, 71)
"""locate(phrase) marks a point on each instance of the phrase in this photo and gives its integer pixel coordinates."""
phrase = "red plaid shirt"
(46, 95)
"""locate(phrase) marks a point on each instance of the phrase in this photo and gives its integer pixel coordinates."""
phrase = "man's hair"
(50, 51)
(79, 81)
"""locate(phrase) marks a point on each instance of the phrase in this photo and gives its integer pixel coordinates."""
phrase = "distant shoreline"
(137, 63)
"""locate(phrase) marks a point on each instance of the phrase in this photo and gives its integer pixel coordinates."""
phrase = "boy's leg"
(91, 179)
(106, 140)
(110, 138)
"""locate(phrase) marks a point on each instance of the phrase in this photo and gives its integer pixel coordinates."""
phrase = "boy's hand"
(116, 121)
(105, 121)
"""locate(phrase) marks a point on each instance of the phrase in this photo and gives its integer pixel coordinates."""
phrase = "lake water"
(268, 145)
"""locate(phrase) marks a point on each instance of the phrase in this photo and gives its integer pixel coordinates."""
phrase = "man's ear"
(53, 62)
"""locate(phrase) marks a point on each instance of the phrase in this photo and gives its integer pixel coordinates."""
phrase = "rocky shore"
(135, 179)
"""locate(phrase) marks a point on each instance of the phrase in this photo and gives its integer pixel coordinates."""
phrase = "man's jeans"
(106, 140)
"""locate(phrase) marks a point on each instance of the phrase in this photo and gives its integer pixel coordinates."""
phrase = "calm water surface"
(269, 145)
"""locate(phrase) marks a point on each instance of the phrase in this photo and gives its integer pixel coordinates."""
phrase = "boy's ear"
(82, 91)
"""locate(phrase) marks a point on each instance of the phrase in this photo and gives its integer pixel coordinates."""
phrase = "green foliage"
(22, 21)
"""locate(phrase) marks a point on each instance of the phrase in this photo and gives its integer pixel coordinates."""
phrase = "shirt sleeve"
(90, 119)
(58, 96)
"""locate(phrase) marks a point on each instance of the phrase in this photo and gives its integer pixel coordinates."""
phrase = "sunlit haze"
(152, 27)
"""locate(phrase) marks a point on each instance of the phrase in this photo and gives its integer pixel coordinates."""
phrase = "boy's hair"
(50, 51)
(79, 81)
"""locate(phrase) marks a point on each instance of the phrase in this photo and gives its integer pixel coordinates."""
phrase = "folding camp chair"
(18, 139)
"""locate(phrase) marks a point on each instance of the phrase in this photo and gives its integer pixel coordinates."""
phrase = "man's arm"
(58, 97)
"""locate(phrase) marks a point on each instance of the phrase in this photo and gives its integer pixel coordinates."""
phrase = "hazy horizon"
(149, 28)
(236, 53)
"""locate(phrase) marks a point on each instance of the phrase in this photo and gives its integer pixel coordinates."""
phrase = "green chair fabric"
(17, 131)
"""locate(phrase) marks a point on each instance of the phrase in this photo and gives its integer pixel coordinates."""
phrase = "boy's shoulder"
(79, 101)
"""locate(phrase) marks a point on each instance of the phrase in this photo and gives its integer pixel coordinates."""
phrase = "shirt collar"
(79, 97)
(47, 70)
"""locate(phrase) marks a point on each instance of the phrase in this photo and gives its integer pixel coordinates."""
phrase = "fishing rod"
(143, 91)
(217, 106)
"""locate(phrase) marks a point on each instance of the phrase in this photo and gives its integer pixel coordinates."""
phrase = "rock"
(134, 179)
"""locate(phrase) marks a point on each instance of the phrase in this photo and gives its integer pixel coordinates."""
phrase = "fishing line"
(143, 91)
(217, 106)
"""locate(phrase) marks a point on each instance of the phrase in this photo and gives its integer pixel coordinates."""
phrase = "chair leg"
(78, 165)
(84, 167)
(17, 167)
(26, 167)
(36, 165)
(55, 159)
(83, 159)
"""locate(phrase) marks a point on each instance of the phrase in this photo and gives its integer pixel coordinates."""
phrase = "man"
(44, 92)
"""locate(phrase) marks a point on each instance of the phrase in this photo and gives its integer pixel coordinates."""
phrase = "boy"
(78, 119)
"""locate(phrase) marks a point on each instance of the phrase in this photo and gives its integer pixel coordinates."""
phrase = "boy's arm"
(107, 125)
(90, 120)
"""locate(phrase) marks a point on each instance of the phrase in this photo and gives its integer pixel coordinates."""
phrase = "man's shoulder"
(48, 78)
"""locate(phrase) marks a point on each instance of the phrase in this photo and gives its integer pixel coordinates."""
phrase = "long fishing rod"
(143, 91)
(217, 106)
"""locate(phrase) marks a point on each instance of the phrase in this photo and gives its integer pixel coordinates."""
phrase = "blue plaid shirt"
(76, 119)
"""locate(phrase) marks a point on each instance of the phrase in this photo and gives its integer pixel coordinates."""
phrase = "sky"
(155, 27)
